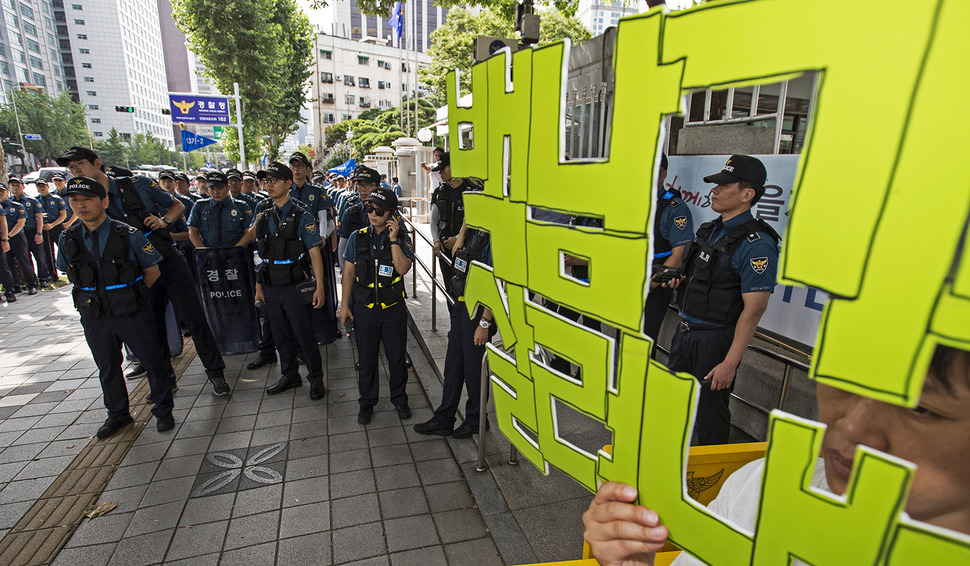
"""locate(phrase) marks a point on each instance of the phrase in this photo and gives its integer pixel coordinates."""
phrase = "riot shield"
(325, 318)
(227, 283)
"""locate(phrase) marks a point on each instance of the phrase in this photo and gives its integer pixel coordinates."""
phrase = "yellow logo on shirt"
(759, 264)
(311, 227)
(148, 249)
(680, 222)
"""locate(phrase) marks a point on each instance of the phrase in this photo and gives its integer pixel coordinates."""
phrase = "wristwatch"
(484, 324)
(166, 221)
(395, 242)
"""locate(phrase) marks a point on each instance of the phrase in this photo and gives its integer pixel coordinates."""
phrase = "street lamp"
(350, 135)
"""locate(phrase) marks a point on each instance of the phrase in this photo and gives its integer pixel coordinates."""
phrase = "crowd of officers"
(126, 242)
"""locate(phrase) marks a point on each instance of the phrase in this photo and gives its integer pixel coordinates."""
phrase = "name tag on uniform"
(461, 264)
(386, 271)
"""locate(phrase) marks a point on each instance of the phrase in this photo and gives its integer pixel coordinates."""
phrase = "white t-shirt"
(738, 500)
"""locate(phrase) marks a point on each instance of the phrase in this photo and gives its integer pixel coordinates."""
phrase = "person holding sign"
(288, 241)
(729, 273)
(375, 262)
(935, 436)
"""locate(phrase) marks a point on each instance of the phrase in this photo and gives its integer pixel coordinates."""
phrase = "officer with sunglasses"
(375, 262)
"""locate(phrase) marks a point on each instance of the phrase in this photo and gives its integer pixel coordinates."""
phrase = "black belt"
(695, 326)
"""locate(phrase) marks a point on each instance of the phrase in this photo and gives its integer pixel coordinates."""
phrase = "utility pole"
(23, 148)
(239, 127)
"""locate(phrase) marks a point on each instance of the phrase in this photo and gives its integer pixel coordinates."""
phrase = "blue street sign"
(32, 137)
(199, 109)
(192, 141)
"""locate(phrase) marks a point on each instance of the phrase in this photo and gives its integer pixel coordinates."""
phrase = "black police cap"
(366, 174)
(216, 178)
(383, 197)
(299, 157)
(277, 170)
(443, 162)
(234, 173)
(85, 186)
(166, 175)
(77, 153)
(741, 168)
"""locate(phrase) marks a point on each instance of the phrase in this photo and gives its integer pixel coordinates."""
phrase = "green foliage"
(306, 149)
(339, 153)
(505, 7)
(264, 45)
(146, 149)
(59, 121)
(113, 150)
(453, 44)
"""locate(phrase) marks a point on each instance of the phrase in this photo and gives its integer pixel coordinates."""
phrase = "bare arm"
(17, 227)
(195, 236)
(151, 274)
(722, 376)
(347, 286)
(316, 262)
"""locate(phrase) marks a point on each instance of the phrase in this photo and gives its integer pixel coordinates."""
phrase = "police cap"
(216, 178)
(234, 173)
(166, 175)
(77, 153)
(180, 176)
(116, 172)
(276, 170)
(300, 158)
(57, 177)
(443, 162)
(248, 175)
(741, 168)
(85, 186)
(14, 180)
(366, 174)
(40, 181)
(383, 197)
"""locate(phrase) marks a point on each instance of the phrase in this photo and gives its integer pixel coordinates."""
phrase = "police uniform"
(221, 224)
(19, 253)
(726, 260)
(131, 199)
(6, 276)
(463, 360)
(284, 236)
(32, 208)
(673, 226)
(106, 266)
(52, 205)
(448, 210)
(380, 314)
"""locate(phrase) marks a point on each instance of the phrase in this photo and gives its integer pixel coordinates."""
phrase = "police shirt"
(346, 225)
(187, 201)
(52, 205)
(677, 224)
(398, 190)
(248, 199)
(155, 199)
(14, 212)
(309, 229)
(378, 243)
(311, 196)
(31, 208)
(140, 252)
(221, 225)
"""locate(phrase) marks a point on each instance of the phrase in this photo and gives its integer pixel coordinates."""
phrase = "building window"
(79, 22)
(26, 11)
(30, 28)
(384, 64)
(380, 84)
(326, 77)
(82, 36)
(98, 134)
(36, 63)
(349, 99)
(92, 106)
(92, 92)
(95, 120)
(33, 45)
(77, 7)
(86, 65)
(39, 80)
(346, 117)
(328, 118)
(89, 79)
(348, 80)
(324, 54)
(364, 82)
(326, 98)
(362, 60)
(84, 51)
(364, 102)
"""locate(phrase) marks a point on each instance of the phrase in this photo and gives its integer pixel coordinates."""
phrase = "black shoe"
(403, 411)
(137, 370)
(219, 386)
(467, 429)
(283, 384)
(32, 291)
(11, 298)
(164, 422)
(365, 414)
(317, 390)
(113, 425)
(261, 361)
(16, 290)
(431, 427)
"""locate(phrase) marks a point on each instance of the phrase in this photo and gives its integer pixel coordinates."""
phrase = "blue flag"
(345, 168)
(192, 141)
(396, 20)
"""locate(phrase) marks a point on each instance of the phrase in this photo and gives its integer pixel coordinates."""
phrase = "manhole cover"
(227, 471)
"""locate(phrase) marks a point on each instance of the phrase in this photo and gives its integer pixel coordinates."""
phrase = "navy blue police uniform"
(673, 226)
(284, 236)
(32, 208)
(19, 254)
(52, 204)
(221, 224)
(726, 260)
(106, 266)
(6, 276)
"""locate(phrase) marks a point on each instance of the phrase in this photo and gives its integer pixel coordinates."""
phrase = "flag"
(345, 168)
(396, 20)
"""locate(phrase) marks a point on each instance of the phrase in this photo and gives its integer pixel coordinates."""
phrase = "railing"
(432, 272)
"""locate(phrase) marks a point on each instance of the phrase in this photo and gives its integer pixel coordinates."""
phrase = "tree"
(60, 122)
(113, 150)
(554, 25)
(338, 154)
(264, 45)
(505, 7)
(146, 149)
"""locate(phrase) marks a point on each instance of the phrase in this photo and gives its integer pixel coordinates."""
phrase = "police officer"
(354, 217)
(375, 262)
(183, 187)
(673, 230)
(60, 187)
(179, 229)
(111, 265)
(729, 274)
(250, 186)
(235, 179)
(219, 221)
(312, 196)
(152, 210)
(55, 213)
(19, 253)
(33, 229)
(288, 241)
(466, 344)
(6, 276)
(448, 212)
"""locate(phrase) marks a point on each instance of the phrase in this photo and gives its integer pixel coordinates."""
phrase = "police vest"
(463, 259)
(354, 221)
(376, 281)
(135, 208)
(661, 247)
(451, 207)
(284, 256)
(712, 290)
(111, 285)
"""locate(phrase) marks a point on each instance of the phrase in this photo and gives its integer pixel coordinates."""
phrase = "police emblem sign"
(199, 109)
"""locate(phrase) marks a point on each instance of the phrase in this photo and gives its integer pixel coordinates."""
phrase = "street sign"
(192, 141)
(218, 132)
(32, 137)
(196, 109)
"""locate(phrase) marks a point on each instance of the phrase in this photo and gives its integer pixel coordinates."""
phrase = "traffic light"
(128, 109)
(166, 111)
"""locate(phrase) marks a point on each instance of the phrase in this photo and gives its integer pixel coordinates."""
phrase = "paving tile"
(302, 468)
(61, 448)
(308, 429)
(157, 518)
(275, 418)
(197, 540)
(448, 496)
(481, 552)
(348, 441)
(386, 436)
(410, 532)
(554, 529)
(351, 483)
(305, 519)
(141, 453)
(390, 455)
(11, 513)
(302, 492)
(358, 542)
(166, 491)
(101, 530)
(231, 441)
(24, 490)
(236, 424)
(21, 453)
(200, 510)
(252, 529)
(55, 419)
(396, 477)
(307, 447)
(207, 560)
(258, 500)
(126, 498)
(85, 556)
(33, 409)
(429, 556)
(306, 549)
(47, 467)
(178, 467)
(372, 561)
(355, 510)
(142, 550)
(10, 471)
(128, 475)
(439, 471)
(459, 525)
(271, 435)
(258, 555)
(403, 502)
(434, 449)
(349, 461)
(188, 446)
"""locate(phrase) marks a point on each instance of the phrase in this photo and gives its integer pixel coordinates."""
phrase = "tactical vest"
(451, 206)
(111, 285)
(135, 208)
(463, 259)
(376, 282)
(354, 222)
(284, 256)
(661, 247)
(712, 290)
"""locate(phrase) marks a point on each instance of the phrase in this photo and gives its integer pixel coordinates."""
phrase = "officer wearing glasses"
(375, 262)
